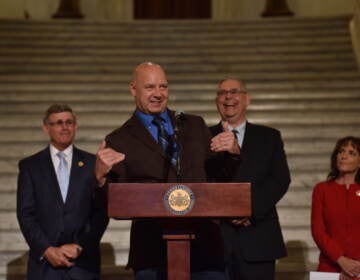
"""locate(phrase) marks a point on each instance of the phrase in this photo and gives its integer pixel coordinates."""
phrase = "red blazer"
(335, 223)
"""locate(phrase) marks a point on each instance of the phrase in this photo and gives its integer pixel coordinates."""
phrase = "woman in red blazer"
(335, 217)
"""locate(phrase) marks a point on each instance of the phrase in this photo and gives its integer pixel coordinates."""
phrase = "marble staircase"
(301, 74)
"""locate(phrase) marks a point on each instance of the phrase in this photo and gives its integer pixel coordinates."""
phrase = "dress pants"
(244, 270)
(158, 274)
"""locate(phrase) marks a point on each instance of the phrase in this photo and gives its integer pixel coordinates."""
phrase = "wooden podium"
(178, 206)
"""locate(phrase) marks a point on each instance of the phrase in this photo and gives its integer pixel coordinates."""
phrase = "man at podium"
(159, 145)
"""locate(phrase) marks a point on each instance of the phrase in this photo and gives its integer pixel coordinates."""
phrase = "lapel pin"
(358, 192)
(80, 163)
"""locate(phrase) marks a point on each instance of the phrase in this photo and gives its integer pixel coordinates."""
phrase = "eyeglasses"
(61, 123)
(232, 91)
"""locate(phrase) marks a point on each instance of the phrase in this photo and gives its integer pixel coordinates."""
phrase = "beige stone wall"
(44, 9)
(236, 9)
(355, 31)
(252, 9)
(123, 9)
(307, 8)
(107, 9)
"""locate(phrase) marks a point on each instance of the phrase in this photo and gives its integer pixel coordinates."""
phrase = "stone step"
(279, 23)
(175, 29)
(313, 136)
(110, 256)
(8, 222)
(295, 238)
(298, 216)
(101, 87)
(124, 62)
(119, 243)
(179, 93)
(288, 217)
(295, 197)
(114, 119)
(19, 108)
(301, 180)
(284, 272)
(296, 149)
(17, 268)
(261, 41)
(189, 77)
(111, 67)
(299, 258)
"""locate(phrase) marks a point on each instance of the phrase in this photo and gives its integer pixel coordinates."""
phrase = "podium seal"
(179, 199)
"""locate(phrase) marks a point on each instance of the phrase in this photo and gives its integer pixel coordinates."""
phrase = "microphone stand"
(179, 118)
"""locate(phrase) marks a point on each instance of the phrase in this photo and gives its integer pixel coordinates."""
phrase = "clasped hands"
(350, 268)
(62, 256)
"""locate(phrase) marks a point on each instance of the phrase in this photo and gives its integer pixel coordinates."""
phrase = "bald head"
(149, 87)
(144, 68)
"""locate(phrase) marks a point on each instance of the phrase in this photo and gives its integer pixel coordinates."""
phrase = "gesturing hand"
(225, 141)
(106, 158)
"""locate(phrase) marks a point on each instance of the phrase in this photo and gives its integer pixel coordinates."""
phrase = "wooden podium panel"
(201, 200)
(146, 200)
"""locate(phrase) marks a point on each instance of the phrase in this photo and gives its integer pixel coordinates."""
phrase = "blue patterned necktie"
(166, 142)
(63, 175)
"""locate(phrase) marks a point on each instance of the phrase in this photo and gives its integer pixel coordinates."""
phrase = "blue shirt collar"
(146, 120)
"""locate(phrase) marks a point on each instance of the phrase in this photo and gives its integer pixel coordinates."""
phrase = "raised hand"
(225, 141)
(106, 158)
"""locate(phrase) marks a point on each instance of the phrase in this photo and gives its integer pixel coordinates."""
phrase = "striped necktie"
(166, 141)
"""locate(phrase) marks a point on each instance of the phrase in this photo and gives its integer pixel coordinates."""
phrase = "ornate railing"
(355, 31)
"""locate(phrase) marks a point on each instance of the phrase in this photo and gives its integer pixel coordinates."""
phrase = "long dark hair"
(355, 143)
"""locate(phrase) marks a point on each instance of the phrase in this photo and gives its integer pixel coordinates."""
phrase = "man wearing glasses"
(251, 244)
(61, 213)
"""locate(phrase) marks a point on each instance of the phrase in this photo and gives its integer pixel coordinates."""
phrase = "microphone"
(179, 118)
(179, 121)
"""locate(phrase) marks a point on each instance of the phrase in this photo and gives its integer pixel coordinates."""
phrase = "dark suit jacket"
(45, 220)
(146, 162)
(263, 164)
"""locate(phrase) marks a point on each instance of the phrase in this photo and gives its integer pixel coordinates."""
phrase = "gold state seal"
(179, 199)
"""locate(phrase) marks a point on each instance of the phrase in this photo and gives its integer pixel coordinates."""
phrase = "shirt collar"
(146, 119)
(68, 151)
(239, 128)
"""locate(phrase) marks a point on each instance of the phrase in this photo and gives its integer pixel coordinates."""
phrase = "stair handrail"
(355, 31)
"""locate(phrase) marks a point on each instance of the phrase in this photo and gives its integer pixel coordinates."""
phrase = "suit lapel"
(49, 175)
(77, 165)
(248, 138)
(218, 129)
(247, 149)
(139, 131)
